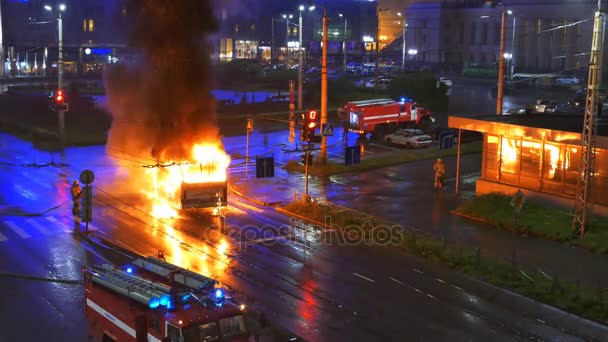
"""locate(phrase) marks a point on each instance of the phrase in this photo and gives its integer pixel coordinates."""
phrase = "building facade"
(255, 34)
(541, 35)
(94, 33)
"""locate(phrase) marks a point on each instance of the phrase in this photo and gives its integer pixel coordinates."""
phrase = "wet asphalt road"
(321, 291)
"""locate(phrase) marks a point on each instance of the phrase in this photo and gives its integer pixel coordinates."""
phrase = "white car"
(567, 80)
(446, 81)
(412, 138)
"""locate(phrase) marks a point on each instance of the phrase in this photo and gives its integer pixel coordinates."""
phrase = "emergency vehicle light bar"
(134, 287)
(371, 102)
(180, 275)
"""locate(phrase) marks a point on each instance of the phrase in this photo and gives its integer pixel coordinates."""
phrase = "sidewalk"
(403, 194)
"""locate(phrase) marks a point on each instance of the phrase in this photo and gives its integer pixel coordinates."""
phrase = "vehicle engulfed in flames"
(197, 183)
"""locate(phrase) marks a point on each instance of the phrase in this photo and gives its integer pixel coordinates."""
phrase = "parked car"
(383, 83)
(562, 108)
(411, 138)
(567, 80)
(541, 106)
(445, 81)
(515, 111)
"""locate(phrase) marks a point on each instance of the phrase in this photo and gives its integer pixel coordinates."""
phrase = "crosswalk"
(22, 228)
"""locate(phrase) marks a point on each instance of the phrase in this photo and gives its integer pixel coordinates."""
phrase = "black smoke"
(161, 102)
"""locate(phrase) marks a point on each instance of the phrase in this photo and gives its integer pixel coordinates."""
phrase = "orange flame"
(208, 164)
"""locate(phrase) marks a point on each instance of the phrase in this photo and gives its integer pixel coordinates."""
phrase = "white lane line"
(396, 280)
(364, 277)
(441, 281)
(44, 230)
(540, 320)
(2, 237)
(418, 271)
(18, 230)
(59, 224)
(457, 287)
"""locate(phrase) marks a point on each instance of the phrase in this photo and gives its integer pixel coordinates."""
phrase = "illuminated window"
(236, 28)
(91, 25)
(253, 27)
(84, 25)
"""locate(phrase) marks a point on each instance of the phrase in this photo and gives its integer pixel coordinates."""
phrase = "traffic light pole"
(308, 151)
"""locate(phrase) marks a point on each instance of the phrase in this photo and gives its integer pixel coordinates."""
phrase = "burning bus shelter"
(539, 154)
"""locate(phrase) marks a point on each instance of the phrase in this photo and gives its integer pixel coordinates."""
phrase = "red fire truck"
(152, 300)
(387, 115)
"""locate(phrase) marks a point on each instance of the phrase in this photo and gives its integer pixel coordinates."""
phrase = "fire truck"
(152, 300)
(386, 115)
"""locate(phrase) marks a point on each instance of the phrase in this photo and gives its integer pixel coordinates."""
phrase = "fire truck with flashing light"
(385, 115)
(152, 300)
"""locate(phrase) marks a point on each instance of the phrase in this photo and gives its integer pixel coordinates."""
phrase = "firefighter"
(76, 195)
(439, 168)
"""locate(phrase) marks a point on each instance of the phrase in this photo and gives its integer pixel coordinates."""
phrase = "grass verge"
(550, 290)
(391, 159)
(536, 220)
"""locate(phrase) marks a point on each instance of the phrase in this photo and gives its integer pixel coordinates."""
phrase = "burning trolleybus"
(152, 300)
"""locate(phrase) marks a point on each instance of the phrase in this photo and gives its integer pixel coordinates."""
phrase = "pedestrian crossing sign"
(327, 130)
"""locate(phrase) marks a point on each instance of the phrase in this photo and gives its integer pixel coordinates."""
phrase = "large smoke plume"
(161, 103)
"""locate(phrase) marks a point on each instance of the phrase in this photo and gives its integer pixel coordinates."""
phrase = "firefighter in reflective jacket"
(439, 168)
(76, 195)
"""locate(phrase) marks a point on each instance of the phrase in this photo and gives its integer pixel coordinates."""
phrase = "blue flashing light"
(186, 297)
(219, 294)
(403, 99)
(154, 303)
(130, 270)
(101, 51)
(165, 300)
(169, 305)
(219, 304)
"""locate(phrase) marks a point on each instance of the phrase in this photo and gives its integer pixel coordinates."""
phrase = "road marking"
(364, 277)
(60, 224)
(419, 271)
(457, 287)
(540, 320)
(2, 237)
(44, 230)
(430, 295)
(396, 280)
(441, 281)
(18, 230)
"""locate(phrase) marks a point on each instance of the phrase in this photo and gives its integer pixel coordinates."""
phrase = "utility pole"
(589, 127)
(323, 154)
(501, 63)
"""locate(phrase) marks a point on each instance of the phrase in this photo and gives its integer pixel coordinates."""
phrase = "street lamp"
(61, 8)
(60, 111)
(344, 43)
(287, 17)
(300, 57)
(404, 23)
(512, 59)
(412, 52)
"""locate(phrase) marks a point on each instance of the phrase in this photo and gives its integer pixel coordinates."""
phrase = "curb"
(262, 203)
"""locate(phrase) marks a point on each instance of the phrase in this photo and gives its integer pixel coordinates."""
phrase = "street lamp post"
(404, 23)
(512, 60)
(344, 43)
(300, 56)
(501, 63)
(60, 112)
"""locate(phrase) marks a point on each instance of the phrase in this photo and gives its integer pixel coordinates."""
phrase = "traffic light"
(59, 98)
(309, 125)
